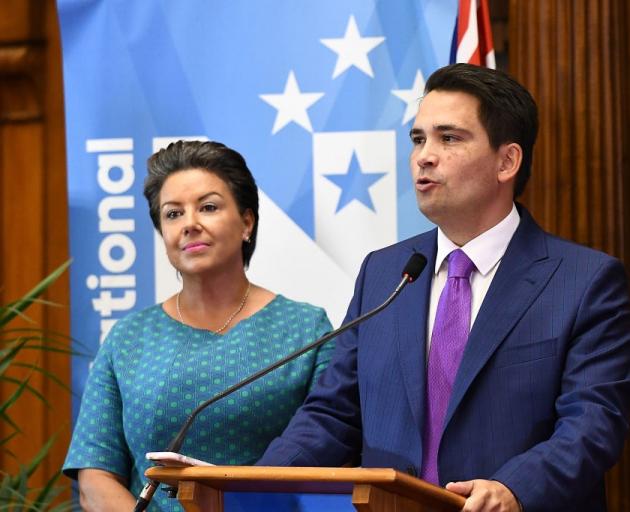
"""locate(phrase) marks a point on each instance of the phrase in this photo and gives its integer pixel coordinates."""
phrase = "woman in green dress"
(158, 364)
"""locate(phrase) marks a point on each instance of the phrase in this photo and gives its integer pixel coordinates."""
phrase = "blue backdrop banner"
(318, 96)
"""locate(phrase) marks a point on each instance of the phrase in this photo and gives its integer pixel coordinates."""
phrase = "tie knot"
(459, 265)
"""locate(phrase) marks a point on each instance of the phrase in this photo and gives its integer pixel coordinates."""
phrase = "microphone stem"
(145, 496)
(177, 442)
(149, 489)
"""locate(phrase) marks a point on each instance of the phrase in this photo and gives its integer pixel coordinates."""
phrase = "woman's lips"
(195, 246)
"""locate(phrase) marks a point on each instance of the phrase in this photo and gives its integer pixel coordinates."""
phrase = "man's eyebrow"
(441, 128)
(449, 127)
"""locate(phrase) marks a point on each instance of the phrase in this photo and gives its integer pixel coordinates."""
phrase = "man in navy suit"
(538, 408)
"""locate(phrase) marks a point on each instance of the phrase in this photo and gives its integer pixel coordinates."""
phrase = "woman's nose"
(191, 222)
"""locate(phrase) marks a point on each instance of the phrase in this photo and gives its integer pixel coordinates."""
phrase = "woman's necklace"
(230, 318)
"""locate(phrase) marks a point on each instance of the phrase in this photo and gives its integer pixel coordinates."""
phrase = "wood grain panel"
(22, 215)
(19, 20)
(33, 210)
(567, 54)
(57, 419)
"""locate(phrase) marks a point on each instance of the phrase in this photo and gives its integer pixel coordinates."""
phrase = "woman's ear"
(248, 224)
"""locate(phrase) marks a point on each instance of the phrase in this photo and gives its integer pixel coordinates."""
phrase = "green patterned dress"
(152, 371)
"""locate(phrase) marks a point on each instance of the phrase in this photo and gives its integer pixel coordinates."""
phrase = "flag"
(472, 36)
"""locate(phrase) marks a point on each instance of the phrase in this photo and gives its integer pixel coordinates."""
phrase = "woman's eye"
(172, 214)
(208, 207)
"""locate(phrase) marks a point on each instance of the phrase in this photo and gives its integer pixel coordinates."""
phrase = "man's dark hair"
(215, 158)
(507, 110)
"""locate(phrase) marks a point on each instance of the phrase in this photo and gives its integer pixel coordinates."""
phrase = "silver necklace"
(230, 318)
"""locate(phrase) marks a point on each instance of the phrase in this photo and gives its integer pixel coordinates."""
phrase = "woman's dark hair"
(214, 157)
(507, 110)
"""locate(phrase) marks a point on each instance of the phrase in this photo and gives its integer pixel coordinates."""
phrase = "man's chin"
(430, 210)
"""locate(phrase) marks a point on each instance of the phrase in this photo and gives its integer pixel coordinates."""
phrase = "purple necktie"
(448, 340)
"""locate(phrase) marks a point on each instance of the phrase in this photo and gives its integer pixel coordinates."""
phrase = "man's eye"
(418, 140)
(449, 138)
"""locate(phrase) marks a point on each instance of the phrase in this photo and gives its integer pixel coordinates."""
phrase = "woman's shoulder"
(298, 323)
(138, 321)
(305, 309)
(291, 314)
(151, 314)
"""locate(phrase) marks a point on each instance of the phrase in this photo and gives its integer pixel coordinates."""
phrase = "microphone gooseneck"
(410, 273)
(146, 494)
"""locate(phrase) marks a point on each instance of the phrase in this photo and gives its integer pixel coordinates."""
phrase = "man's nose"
(425, 155)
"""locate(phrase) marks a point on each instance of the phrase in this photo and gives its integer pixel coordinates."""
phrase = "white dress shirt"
(485, 251)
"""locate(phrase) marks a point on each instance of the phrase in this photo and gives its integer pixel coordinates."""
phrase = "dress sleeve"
(324, 353)
(98, 440)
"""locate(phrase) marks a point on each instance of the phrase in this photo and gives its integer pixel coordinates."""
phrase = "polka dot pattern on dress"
(153, 371)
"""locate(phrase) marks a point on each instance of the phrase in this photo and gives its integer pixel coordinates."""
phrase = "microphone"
(410, 273)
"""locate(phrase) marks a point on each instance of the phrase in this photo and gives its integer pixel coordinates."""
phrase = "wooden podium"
(200, 488)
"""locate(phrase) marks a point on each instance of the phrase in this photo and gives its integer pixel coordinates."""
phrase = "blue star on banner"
(355, 184)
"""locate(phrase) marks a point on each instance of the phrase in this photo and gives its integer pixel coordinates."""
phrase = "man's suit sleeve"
(326, 429)
(592, 407)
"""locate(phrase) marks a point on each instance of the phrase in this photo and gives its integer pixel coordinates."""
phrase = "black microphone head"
(414, 266)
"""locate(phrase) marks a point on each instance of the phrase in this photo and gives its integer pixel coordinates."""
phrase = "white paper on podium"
(175, 459)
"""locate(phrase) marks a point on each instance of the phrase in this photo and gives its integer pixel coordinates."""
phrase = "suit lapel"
(412, 309)
(523, 273)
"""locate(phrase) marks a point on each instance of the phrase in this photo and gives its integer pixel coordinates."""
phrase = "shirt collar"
(487, 249)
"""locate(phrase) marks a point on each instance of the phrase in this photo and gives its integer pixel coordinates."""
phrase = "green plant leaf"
(10, 311)
(5, 440)
(15, 395)
(49, 375)
(16, 494)
(7, 356)
(34, 392)
(8, 419)
(47, 493)
(39, 457)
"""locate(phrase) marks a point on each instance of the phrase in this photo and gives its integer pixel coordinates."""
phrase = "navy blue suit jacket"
(541, 398)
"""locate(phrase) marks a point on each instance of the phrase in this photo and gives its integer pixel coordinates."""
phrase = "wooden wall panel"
(33, 206)
(568, 55)
(22, 215)
(573, 57)
(58, 419)
(17, 21)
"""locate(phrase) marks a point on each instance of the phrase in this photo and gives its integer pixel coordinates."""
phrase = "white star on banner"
(352, 49)
(411, 97)
(292, 105)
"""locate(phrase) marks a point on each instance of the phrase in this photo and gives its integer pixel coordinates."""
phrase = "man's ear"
(510, 158)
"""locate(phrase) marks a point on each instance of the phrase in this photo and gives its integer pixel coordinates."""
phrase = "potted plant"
(16, 490)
